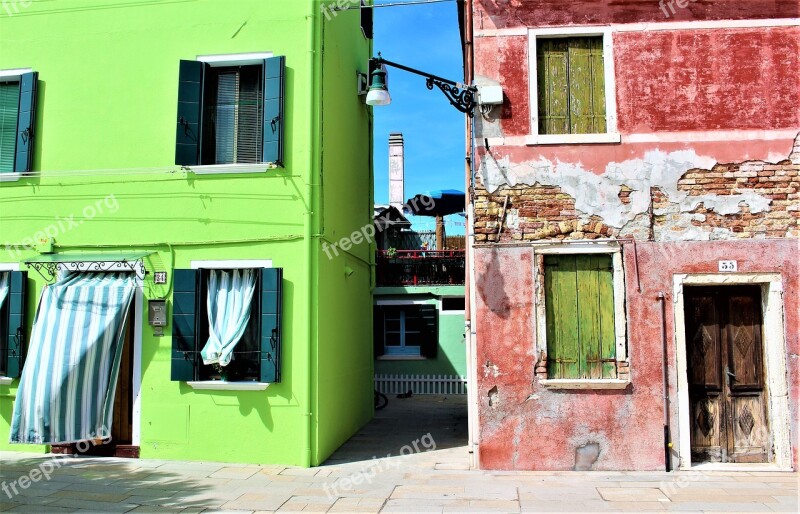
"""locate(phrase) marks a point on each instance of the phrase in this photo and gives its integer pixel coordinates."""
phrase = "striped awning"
(66, 391)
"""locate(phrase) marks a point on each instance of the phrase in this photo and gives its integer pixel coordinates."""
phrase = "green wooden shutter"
(553, 85)
(429, 343)
(271, 324)
(190, 113)
(274, 118)
(26, 121)
(377, 331)
(586, 86)
(185, 312)
(9, 110)
(561, 308)
(15, 340)
(579, 305)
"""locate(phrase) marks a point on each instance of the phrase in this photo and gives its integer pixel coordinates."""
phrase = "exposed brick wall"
(536, 212)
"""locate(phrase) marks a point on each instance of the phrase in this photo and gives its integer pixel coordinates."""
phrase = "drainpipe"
(314, 167)
(469, 257)
(667, 438)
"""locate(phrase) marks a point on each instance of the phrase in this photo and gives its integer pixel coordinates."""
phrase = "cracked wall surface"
(664, 196)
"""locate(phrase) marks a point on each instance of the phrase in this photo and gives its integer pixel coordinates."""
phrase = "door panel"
(726, 375)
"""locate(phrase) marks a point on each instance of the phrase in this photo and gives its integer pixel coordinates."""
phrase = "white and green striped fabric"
(66, 391)
(4, 279)
(230, 294)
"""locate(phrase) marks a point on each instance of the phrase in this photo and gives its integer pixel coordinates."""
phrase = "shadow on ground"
(443, 419)
(56, 483)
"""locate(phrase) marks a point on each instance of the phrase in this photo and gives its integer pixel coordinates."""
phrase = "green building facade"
(170, 138)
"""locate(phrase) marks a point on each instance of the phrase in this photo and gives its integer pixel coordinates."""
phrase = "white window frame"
(402, 303)
(221, 385)
(611, 135)
(620, 323)
(222, 60)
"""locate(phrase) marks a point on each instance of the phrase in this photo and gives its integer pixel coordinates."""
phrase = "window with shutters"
(408, 330)
(572, 88)
(581, 317)
(232, 119)
(256, 357)
(17, 120)
(230, 112)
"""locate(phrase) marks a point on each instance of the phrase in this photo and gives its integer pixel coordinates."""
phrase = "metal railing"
(420, 267)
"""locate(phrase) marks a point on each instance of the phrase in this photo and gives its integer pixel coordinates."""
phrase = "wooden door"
(727, 396)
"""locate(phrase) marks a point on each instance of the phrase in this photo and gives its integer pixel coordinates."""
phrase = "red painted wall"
(708, 80)
(493, 14)
(529, 427)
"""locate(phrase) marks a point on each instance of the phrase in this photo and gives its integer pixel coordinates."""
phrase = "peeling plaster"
(598, 195)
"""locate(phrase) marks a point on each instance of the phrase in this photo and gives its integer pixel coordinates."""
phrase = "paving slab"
(430, 480)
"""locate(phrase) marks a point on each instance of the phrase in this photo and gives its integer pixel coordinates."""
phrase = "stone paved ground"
(351, 481)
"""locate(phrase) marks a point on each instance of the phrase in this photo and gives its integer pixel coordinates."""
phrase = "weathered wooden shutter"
(553, 85)
(15, 335)
(190, 113)
(26, 121)
(377, 331)
(579, 305)
(430, 334)
(271, 330)
(274, 118)
(587, 111)
(185, 312)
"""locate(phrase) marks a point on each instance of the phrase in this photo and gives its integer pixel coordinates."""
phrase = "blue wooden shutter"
(274, 121)
(184, 324)
(190, 113)
(430, 332)
(271, 335)
(15, 341)
(26, 121)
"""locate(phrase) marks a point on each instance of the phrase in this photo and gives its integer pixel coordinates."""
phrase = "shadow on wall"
(491, 287)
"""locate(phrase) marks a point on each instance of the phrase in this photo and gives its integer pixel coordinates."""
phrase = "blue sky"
(424, 37)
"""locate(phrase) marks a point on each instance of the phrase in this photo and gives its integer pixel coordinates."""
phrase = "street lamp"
(461, 96)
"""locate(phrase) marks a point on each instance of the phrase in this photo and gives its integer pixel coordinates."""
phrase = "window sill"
(221, 385)
(566, 139)
(8, 176)
(401, 358)
(605, 383)
(5, 381)
(221, 169)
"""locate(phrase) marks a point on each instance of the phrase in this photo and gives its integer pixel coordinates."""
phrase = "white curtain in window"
(3, 287)
(230, 294)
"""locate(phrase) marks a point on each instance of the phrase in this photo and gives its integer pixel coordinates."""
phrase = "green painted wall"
(451, 357)
(104, 145)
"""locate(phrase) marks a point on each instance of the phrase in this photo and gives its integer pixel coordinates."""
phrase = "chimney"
(396, 170)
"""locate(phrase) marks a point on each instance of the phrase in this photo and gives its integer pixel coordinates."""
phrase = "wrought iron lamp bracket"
(460, 96)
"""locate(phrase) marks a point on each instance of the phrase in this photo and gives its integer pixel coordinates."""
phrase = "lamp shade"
(378, 97)
(378, 91)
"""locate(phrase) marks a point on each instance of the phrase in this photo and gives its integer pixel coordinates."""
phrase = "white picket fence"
(421, 384)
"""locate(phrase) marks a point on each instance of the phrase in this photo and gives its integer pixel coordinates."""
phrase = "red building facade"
(636, 234)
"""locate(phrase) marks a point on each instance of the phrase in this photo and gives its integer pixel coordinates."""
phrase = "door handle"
(729, 373)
